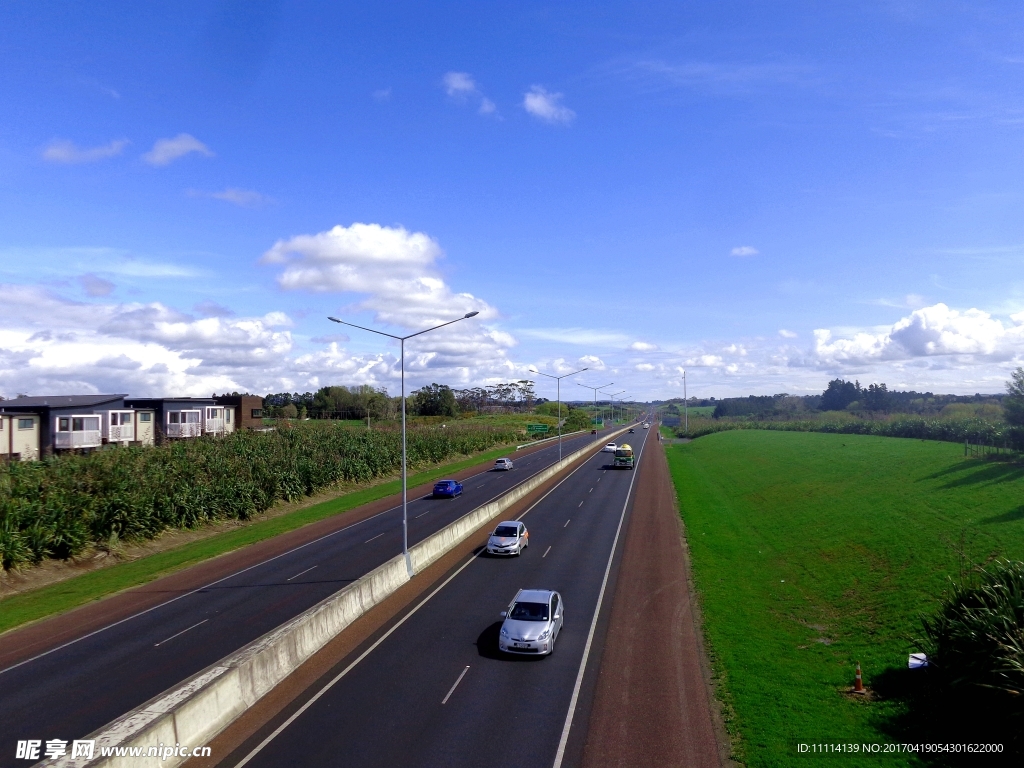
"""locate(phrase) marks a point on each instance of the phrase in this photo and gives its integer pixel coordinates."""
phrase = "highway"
(73, 689)
(432, 688)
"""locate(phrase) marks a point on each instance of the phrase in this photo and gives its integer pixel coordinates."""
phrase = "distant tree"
(1013, 404)
(876, 397)
(577, 419)
(436, 400)
(839, 394)
(289, 411)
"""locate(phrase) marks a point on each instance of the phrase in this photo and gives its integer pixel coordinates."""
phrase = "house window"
(257, 413)
(190, 417)
(26, 423)
(227, 416)
(63, 424)
(146, 417)
(173, 417)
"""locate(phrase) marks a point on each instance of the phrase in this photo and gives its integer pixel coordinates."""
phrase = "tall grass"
(56, 508)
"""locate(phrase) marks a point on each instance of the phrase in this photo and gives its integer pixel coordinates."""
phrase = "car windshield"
(529, 612)
(505, 530)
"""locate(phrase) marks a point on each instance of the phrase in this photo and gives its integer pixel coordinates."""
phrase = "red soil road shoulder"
(31, 639)
(652, 704)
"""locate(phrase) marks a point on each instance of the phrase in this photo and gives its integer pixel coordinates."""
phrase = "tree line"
(364, 401)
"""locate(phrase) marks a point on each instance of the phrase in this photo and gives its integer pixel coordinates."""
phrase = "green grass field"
(814, 551)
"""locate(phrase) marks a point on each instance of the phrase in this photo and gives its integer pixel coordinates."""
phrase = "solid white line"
(445, 699)
(157, 645)
(300, 573)
(375, 537)
(230, 576)
(560, 754)
(546, 552)
(420, 515)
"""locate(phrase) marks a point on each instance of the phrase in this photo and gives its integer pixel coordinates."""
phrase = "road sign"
(538, 428)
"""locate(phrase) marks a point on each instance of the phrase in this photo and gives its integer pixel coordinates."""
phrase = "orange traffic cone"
(858, 682)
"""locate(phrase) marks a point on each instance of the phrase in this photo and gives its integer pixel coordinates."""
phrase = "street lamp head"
(470, 314)
(334, 319)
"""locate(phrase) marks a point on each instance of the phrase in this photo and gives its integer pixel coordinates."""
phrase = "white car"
(647, 426)
(503, 464)
(610, 448)
(509, 538)
(532, 622)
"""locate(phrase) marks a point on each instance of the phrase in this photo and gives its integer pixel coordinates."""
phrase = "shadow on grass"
(1007, 517)
(933, 714)
(976, 472)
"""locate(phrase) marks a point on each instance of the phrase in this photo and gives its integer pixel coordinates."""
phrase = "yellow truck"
(623, 457)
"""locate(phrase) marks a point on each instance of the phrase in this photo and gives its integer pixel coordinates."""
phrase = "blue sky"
(768, 195)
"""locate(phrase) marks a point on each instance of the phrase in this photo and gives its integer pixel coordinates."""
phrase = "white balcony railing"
(214, 426)
(194, 429)
(85, 438)
(119, 433)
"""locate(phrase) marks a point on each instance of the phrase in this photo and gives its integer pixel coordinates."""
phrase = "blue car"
(449, 488)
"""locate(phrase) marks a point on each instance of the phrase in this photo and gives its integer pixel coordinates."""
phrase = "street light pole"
(611, 399)
(558, 389)
(405, 474)
(595, 391)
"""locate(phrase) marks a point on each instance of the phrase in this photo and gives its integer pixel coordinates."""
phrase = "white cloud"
(459, 84)
(165, 151)
(547, 106)
(244, 198)
(644, 367)
(60, 151)
(460, 87)
(592, 362)
(928, 332)
(643, 346)
(95, 286)
(580, 336)
(395, 271)
(382, 95)
(744, 250)
(787, 334)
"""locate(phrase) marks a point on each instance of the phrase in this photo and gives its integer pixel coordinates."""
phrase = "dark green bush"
(976, 640)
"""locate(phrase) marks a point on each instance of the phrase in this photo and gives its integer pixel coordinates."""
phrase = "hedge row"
(57, 507)
(975, 430)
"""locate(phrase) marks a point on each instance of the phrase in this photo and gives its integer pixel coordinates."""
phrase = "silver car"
(509, 538)
(532, 622)
(503, 464)
(610, 448)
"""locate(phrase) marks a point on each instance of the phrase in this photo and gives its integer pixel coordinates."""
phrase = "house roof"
(158, 400)
(58, 401)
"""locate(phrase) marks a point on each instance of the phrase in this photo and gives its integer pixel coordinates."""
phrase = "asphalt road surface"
(432, 689)
(70, 690)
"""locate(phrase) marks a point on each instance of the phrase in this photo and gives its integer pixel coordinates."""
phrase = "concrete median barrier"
(192, 713)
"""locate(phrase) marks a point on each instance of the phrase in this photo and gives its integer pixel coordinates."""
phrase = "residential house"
(71, 422)
(241, 411)
(179, 418)
(19, 436)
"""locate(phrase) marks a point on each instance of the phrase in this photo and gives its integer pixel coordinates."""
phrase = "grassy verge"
(57, 598)
(814, 551)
